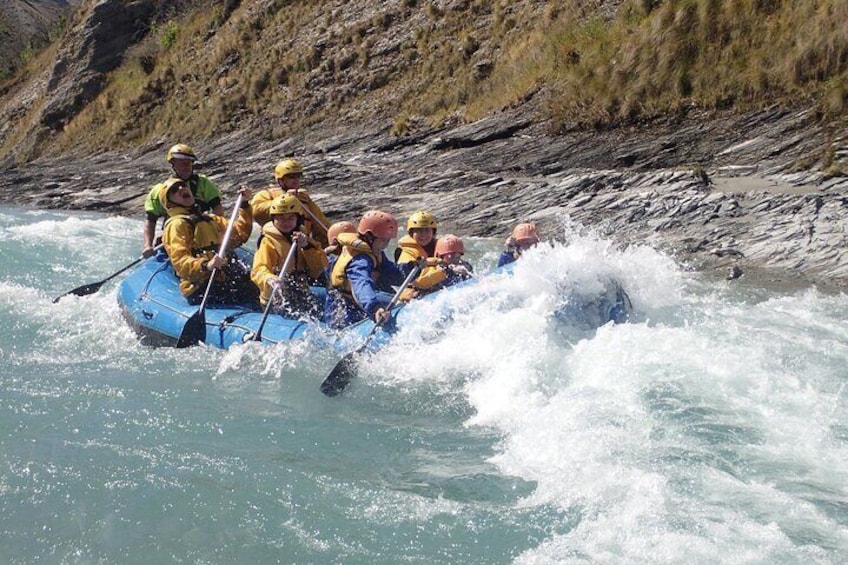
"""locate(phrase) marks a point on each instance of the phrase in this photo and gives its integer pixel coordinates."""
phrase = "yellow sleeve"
(316, 260)
(317, 229)
(266, 263)
(178, 239)
(318, 232)
(260, 205)
(316, 211)
(430, 277)
(241, 229)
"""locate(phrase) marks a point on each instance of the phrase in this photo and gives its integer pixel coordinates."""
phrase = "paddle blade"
(194, 330)
(341, 375)
(83, 290)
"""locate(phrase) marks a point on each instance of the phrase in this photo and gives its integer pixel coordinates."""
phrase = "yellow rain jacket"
(261, 204)
(191, 239)
(272, 253)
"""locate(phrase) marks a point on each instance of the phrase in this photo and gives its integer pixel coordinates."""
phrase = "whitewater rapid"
(711, 427)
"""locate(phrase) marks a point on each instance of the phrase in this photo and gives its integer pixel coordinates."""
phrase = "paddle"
(281, 278)
(345, 369)
(315, 219)
(194, 330)
(91, 288)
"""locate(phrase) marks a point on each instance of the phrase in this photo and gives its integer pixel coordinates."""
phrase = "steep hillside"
(130, 73)
(26, 26)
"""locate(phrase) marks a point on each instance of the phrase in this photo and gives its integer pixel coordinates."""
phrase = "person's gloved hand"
(246, 193)
(408, 294)
(300, 239)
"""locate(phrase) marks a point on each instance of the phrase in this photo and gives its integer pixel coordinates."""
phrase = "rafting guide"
(181, 159)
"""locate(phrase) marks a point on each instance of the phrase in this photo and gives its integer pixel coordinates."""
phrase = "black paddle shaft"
(91, 288)
(281, 278)
(345, 370)
(194, 330)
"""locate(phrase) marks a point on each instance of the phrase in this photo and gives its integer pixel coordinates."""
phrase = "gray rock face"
(25, 25)
(743, 208)
(93, 50)
(88, 52)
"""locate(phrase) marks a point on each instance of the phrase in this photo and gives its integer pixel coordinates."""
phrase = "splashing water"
(493, 428)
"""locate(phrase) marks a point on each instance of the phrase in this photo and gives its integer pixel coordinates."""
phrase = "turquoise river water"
(711, 428)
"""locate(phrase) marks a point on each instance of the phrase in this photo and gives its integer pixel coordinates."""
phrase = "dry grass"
(658, 57)
(210, 67)
(710, 53)
(37, 67)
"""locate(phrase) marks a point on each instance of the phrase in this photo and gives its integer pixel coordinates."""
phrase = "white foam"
(640, 428)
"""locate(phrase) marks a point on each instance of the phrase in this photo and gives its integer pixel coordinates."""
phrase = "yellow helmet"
(181, 151)
(421, 219)
(287, 167)
(167, 186)
(286, 204)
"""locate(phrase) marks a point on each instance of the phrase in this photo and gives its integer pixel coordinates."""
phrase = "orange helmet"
(337, 228)
(378, 224)
(525, 232)
(449, 244)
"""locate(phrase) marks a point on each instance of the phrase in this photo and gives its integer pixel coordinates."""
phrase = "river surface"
(711, 428)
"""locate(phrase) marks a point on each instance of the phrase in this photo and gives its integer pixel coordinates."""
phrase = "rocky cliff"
(26, 26)
(746, 212)
(744, 191)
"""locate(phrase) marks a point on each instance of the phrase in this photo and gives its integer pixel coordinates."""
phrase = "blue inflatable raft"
(151, 302)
